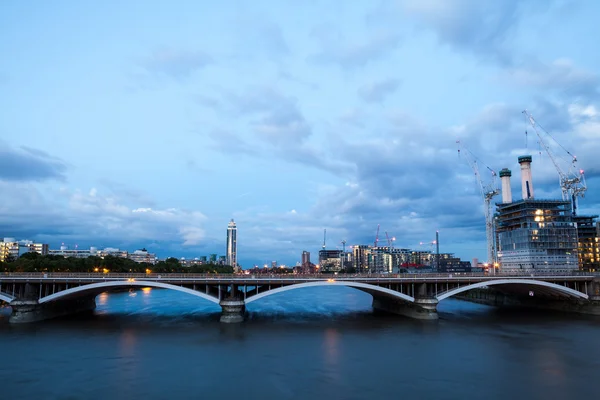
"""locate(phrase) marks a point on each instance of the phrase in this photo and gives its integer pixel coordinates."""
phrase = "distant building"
(40, 248)
(360, 258)
(453, 264)
(142, 256)
(588, 247)
(9, 249)
(12, 249)
(305, 258)
(112, 252)
(330, 261)
(231, 255)
(64, 251)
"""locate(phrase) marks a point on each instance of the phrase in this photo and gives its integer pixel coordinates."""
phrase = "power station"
(537, 234)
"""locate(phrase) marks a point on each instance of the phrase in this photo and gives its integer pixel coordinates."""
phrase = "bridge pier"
(232, 310)
(25, 311)
(423, 307)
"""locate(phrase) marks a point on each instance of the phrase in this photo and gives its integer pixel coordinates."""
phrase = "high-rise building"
(305, 258)
(588, 249)
(360, 258)
(231, 257)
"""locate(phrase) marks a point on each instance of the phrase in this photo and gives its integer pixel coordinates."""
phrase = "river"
(311, 343)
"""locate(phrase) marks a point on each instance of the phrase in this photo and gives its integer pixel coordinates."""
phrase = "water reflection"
(309, 343)
(102, 299)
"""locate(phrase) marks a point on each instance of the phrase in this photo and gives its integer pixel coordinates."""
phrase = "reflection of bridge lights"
(146, 291)
(102, 298)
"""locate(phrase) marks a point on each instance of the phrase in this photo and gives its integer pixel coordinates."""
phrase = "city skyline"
(131, 137)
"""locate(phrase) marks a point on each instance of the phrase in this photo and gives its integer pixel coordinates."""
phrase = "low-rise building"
(143, 256)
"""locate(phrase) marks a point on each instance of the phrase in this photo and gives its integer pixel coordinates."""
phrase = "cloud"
(176, 63)
(560, 77)
(275, 117)
(29, 164)
(409, 178)
(377, 91)
(481, 27)
(229, 142)
(278, 125)
(335, 49)
(30, 211)
(262, 36)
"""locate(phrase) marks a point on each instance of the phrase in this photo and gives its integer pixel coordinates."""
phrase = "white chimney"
(505, 175)
(526, 182)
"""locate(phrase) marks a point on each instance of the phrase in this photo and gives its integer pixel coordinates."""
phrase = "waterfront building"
(40, 248)
(143, 256)
(534, 234)
(11, 249)
(112, 252)
(360, 258)
(588, 247)
(64, 251)
(231, 254)
(330, 261)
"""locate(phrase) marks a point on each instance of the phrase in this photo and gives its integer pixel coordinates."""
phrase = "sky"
(152, 124)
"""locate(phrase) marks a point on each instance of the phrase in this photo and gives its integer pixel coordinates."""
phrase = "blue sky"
(151, 124)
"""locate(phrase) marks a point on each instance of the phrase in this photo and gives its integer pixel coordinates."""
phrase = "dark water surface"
(311, 343)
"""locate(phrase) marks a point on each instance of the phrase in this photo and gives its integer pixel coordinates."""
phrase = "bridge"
(39, 296)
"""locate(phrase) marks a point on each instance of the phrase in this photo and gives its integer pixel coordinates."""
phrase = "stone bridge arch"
(546, 287)
(373, 290)
(97, 288)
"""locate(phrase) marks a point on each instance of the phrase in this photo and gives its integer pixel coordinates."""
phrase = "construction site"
(522, 235)
(532, 234)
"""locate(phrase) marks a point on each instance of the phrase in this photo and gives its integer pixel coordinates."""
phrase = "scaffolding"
(536, 235)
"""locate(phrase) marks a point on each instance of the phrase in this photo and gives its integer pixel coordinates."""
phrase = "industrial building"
(535, 234)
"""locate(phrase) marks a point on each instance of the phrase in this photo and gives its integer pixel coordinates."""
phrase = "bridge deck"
(252, 280)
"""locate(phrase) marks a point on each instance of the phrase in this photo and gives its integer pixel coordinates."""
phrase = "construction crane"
(488, 191)
(572, 183)
(390, 241)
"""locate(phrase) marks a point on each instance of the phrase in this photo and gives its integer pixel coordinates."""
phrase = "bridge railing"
(243, 276)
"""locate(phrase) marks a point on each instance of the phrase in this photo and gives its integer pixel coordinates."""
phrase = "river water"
(311, 343)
